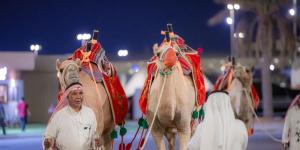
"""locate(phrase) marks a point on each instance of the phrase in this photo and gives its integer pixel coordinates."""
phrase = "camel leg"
(106, 139)
(171, 136)
(184, 137)
(157, 131)
(157, 134)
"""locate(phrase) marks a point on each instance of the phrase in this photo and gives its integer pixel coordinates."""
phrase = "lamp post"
(83, 37)
(230, 21)
(35, 48)
(293, 12)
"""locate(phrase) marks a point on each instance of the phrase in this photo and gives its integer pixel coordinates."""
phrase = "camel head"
(68, 72)
(167, 56)
(244, 74)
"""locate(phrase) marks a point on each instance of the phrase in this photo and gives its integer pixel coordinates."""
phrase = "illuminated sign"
(3, 72)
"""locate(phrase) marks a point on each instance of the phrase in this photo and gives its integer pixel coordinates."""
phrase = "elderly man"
(72, 127)
(291, 130)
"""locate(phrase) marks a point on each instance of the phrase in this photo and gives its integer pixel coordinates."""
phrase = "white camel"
(177, 102)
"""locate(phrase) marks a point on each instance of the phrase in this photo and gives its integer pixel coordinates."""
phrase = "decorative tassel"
(142, 139)
(141, 143)
(143, 123)
(128, 146)
(113, 134)
(195, 114)
(123, 131)
(122, 146)
(201, 114)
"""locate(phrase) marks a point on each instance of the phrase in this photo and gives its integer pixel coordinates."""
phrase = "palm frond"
(219, 17)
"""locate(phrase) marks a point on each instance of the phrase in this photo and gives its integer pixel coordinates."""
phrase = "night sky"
(123, 24)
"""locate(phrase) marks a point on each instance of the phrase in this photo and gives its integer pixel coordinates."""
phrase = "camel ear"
(78, 61)
(58, 64)
(155, 49)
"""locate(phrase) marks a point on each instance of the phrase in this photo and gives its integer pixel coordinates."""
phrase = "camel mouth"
(170, 58)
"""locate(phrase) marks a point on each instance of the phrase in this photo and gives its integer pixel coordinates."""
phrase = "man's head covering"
(294, 102)
(218, 125)
(64, 98)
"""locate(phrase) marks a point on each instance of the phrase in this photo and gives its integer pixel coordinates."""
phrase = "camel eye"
(158, 54)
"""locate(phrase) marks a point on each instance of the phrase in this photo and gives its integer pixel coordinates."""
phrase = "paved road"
(260, 141)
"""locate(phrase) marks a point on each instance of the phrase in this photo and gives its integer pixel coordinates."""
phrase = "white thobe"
(219, 129)
(72, 130)
(291, 130)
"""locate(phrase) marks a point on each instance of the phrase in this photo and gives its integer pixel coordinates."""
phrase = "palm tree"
(268, 34)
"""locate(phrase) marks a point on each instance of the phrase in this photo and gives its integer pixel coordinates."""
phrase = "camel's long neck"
(174, 78)
(174, 84)
(241, 98)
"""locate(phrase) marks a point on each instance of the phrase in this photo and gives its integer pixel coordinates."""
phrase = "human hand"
(47, 143)
(97, 142)
(285, 146)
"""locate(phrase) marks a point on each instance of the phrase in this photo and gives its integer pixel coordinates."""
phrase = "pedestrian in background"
(2, 119)
(23, 112)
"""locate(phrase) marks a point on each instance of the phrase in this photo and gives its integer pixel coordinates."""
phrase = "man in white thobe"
(291, 130)
(219, 129)
(73, 127)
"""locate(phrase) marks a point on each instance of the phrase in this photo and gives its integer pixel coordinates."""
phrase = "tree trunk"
(266, 88)
(265, 45)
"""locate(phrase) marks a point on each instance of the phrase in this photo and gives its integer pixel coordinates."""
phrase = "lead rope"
(86, 59)
(256, 117)
(152, 122)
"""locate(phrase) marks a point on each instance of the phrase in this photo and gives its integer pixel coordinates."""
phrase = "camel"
(241, 97)
(241, 94)
(69, 72)
(177, 102)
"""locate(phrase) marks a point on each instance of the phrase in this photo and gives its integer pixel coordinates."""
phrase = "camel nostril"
(170, 58)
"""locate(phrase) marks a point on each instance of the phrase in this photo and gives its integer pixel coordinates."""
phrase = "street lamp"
(236, 6)
(230, 21)
(83, 37)
(35, 48)
(272, 67)
(239, 35)
(122, 53)
(292, 12)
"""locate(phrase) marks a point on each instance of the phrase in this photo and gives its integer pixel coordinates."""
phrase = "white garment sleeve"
(51, 131)
(52, 128)
(286, 128)
(195, 141)
(245, 137)
(94, 125)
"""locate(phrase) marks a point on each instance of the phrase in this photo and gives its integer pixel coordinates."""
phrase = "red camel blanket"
(194, 60)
